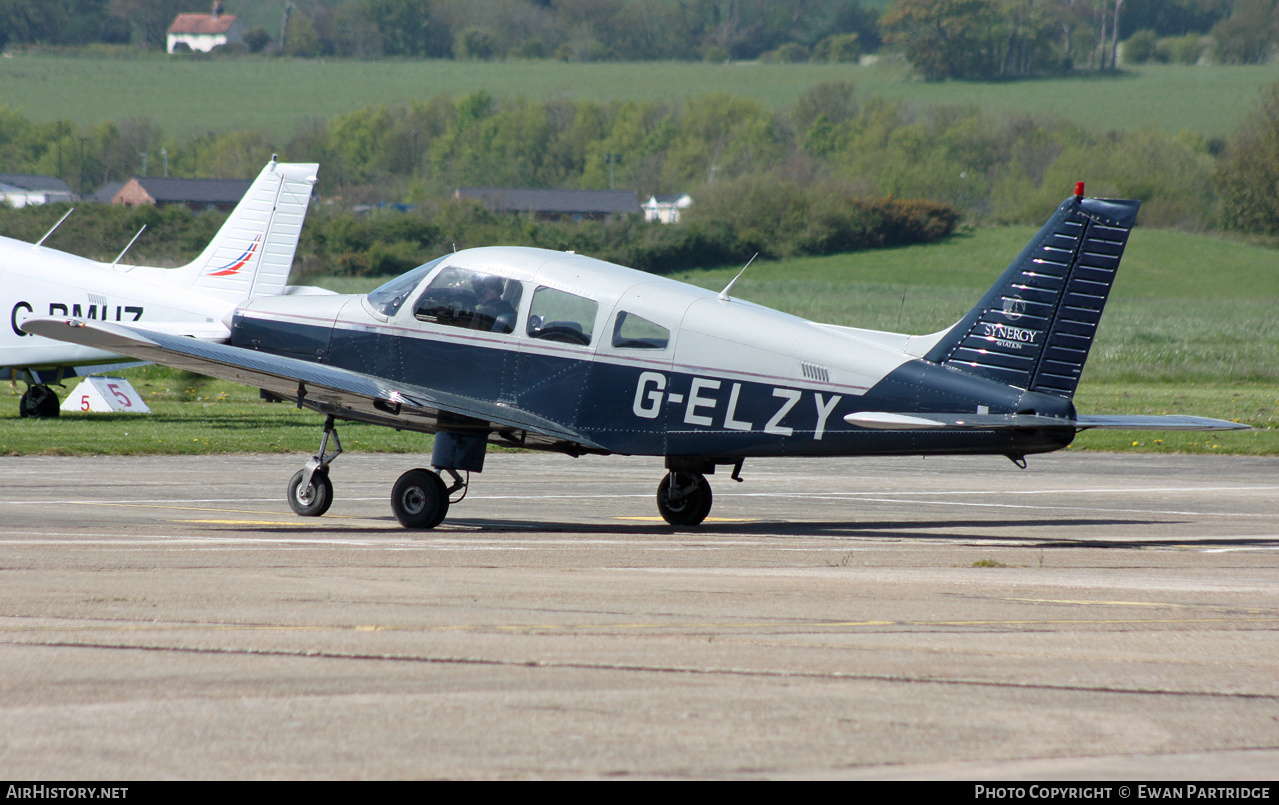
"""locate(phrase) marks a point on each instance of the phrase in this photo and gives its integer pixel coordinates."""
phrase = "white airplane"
(557, 351)
(251, 256)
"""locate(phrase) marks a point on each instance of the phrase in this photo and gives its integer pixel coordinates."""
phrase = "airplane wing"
(880, 420)
(327, 389)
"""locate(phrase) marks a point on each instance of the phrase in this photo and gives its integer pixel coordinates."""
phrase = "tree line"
(993, 168)
(982, 39)
(746, 218)
(941, 38)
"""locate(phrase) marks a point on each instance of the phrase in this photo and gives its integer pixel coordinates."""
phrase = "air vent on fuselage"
(815, 372)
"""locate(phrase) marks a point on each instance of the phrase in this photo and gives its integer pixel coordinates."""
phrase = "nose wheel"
(310, 492)
(684, 498)
(310, 497)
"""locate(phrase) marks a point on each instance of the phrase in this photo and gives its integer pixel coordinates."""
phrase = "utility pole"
(60, 136)
(611, 159)
(284, 24)
(1114, 36)
(83, 140)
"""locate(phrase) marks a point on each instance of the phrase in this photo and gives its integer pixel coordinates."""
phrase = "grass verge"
(191, 415)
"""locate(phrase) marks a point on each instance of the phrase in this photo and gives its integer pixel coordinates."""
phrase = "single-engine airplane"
(251, 255)
(558, 351)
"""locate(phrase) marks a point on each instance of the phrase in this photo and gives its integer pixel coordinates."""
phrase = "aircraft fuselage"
(38, 281)
(715, 377)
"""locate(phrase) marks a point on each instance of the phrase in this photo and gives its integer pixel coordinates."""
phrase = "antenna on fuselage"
(723, 295)
(126, 248)
(55, 226)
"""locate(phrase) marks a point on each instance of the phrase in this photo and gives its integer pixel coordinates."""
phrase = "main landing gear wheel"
(38, 402)
(684, 498)
(420, 499)
(313, 499)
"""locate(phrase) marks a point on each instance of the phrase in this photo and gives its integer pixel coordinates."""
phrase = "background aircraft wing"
(205, 331)
(327, 389)
(881, 420)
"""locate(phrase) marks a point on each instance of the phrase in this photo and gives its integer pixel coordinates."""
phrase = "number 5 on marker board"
(106, 395)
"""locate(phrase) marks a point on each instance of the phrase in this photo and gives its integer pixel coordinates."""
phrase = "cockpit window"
(633, 332)
(561, 316)
(461, 297)
(388, 299)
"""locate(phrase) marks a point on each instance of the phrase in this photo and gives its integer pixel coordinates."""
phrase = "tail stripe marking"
(238, 263)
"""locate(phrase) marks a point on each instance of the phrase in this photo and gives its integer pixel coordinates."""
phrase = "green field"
(1190, 329)
(188, 96)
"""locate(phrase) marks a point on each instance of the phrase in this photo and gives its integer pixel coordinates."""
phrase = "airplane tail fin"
(252, 254)
(1033, 329)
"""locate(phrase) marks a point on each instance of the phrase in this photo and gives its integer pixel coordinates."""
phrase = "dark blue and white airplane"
(558, 351)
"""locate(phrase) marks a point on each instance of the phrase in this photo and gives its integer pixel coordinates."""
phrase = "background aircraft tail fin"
(252, 254)
(1033, 329)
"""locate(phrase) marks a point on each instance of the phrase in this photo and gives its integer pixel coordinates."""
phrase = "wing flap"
(205, 331)
(342, 392)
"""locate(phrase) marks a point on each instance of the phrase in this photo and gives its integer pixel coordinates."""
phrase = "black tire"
(315, 498)
(692, 504)
(419, 499)
(39, 402)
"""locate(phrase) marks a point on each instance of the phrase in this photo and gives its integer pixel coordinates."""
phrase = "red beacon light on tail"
(1079, 189)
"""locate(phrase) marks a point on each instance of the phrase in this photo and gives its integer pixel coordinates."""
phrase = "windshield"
(461, 297)
(388, 298)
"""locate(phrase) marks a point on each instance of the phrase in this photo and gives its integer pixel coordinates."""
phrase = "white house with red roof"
(204, 32)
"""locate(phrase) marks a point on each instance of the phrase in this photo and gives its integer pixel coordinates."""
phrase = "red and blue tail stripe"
(238, 263)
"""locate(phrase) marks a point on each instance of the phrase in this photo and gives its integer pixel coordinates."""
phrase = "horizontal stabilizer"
(879, 420)
(882, 420)
(1157, 423)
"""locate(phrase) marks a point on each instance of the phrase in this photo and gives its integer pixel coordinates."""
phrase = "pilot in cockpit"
(493, 312)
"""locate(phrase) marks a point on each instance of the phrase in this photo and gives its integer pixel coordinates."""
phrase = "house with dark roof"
(666, 209)
(198, 194)
(21, 189)
(575, 204)
(204, 32)
(104, 194)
